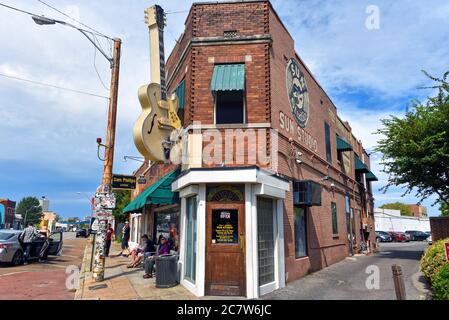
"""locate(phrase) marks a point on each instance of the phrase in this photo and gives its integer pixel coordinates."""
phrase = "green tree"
(416, 148)
(404, 208)
(122, 199)
(30, 210)
(444, 208)
(73, 219)
(59, 218)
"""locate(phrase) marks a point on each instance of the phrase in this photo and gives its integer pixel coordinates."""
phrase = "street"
(46, 281)
(346, 280)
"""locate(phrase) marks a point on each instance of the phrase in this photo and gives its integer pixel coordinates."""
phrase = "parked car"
(11, 250)
(416, 235)
(82, 233)
(382, 236)
(429, 240)
(398, 236)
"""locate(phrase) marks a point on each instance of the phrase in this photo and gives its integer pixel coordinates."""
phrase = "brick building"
(287, 191)
(418, 210)
(8, 217)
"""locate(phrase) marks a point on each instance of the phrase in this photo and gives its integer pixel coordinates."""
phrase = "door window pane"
(225, 226)
(265, 241)
(300, 232)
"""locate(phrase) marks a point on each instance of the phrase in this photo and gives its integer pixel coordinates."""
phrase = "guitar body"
(153, 127)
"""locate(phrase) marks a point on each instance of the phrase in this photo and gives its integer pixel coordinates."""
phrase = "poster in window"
(225, 227)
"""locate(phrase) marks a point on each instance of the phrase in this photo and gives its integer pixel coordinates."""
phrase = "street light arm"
(96, 46)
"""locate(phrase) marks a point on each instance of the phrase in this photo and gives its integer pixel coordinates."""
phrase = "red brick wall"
(439, 228)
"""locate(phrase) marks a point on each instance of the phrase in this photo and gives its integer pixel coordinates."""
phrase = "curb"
(83, 272)
(421, 284)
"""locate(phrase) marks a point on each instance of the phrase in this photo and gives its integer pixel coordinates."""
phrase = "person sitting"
(145, 250)
(164, 248)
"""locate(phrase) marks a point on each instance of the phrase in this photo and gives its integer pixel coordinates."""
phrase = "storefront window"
(265, 240)
(300, 232)
(191, 220)
(167, 224)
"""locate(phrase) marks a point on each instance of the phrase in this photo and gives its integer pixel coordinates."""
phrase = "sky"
(48, 136)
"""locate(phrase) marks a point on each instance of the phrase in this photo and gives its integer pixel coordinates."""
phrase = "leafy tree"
(416, 148)
(122, 199)
(73, 219)
(59, 218)
(444, 208)
(30, 210)
(404, 208)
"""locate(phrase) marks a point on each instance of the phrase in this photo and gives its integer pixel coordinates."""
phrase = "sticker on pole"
(95, 225)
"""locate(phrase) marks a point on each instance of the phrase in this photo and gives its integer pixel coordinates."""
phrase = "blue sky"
(48, 136)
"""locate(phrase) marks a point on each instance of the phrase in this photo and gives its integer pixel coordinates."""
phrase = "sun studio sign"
(298, 95)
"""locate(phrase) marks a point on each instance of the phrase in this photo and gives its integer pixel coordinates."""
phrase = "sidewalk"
(122, 283)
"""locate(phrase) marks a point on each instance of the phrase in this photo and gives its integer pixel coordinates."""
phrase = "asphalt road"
(43, 281)
(346, 280)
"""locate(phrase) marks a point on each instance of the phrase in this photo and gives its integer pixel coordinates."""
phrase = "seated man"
(137, 254)
(164, 248)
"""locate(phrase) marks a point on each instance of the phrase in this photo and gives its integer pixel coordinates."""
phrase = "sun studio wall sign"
(298, 95)
(298, 98)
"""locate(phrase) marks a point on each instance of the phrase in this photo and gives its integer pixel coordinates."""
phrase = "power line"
(37, 15)
(54, 86)
(73, 19)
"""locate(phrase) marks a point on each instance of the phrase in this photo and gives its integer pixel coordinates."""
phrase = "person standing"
(125, 238)
(27, 237)
(109, 238)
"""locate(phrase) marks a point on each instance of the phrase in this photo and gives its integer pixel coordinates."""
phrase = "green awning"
(228, 77)
(359, 165)
(158, 193)
(342, 145)
(371, 177)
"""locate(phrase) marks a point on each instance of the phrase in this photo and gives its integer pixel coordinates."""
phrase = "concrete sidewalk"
(122, 283)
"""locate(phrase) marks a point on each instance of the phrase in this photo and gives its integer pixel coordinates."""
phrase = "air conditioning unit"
(306, 193)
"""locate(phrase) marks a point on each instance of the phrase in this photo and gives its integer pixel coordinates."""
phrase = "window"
(327, 136)
(229, 107)
(181, 93)
(300, 232)
(265, 240)
(190, 260)
(334, 218)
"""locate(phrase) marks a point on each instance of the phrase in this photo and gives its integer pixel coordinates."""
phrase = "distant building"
(391, 220)
(45, 204)
(418, 211)
(8, 217)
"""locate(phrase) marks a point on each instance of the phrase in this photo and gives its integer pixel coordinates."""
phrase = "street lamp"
(26, 214)
(114, 62)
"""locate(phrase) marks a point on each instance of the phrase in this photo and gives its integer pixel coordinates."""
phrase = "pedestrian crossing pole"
(100, 241)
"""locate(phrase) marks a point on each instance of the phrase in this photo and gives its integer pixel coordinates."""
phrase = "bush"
(433, 260)
(440, 283)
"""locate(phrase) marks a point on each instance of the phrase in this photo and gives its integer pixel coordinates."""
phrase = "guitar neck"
(157, 55)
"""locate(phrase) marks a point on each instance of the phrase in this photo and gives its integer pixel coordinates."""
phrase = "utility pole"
(100, 239)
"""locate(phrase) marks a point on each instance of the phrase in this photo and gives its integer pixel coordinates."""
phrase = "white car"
(429, 240)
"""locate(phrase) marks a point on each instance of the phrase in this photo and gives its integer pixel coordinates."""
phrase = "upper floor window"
(181, 94)
(228, 87)
(327, 137)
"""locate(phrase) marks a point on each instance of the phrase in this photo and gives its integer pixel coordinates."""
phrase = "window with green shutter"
(181, 94)
(334, 218)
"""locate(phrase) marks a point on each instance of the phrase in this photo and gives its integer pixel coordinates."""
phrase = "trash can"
(166, 271)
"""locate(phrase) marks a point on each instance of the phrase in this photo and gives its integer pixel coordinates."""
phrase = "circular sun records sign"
(298, 96)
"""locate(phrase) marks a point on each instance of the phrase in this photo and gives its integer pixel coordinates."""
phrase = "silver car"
(11, 250)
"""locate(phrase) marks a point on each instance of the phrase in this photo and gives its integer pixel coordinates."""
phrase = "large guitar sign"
(159, 115)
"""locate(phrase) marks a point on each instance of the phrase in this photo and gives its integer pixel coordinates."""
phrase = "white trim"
(267, 288)
(251, 253)
(280, 245)
(182, 253)
(250, 175)
(269, 191)
(201, 242)
(189, 191)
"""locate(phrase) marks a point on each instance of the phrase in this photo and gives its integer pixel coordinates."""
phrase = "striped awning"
(360, 166)
(228, 77)
(371, 177)
(158, 193)
(342, 145)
